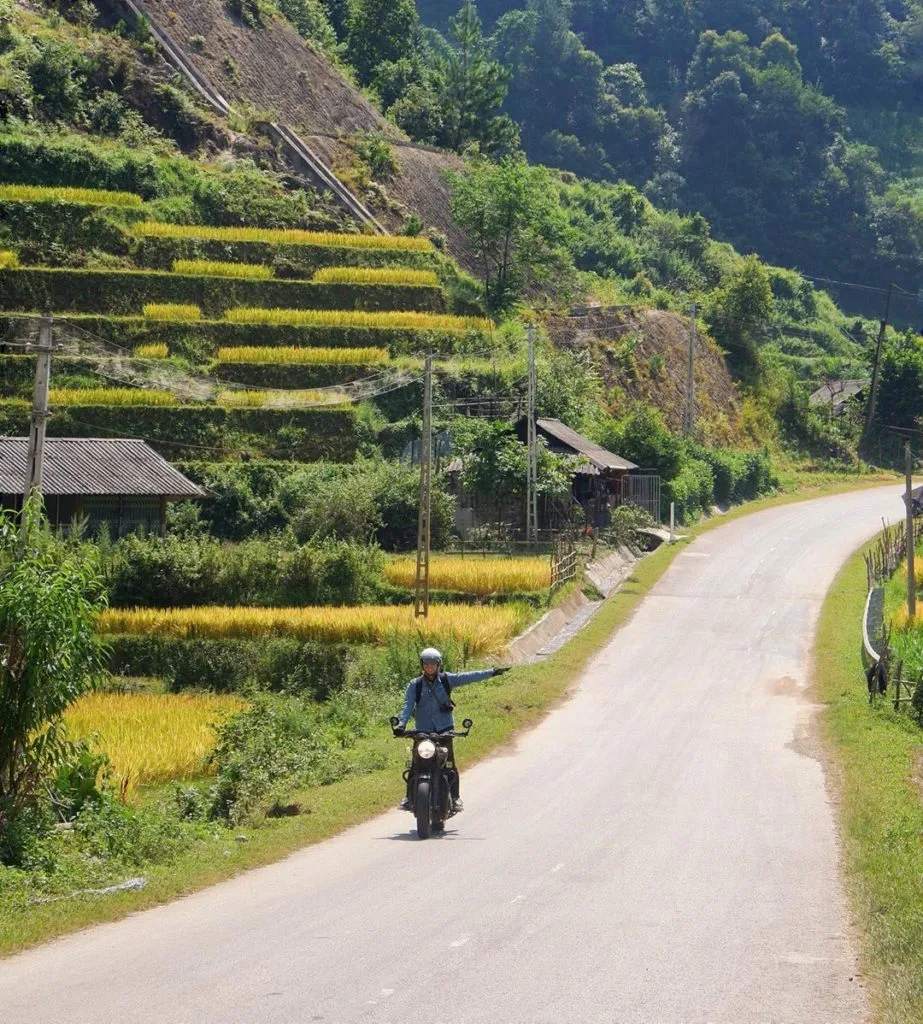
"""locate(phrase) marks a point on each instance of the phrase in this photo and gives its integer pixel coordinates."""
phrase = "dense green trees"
(786, 123)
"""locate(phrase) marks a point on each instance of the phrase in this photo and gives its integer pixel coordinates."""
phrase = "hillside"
(270, 70)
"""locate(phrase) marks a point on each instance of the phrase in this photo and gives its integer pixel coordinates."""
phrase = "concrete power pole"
(908, 498)
(689, 412)
(35, 458)
(532, 469)
(873, 393)
(424, 523)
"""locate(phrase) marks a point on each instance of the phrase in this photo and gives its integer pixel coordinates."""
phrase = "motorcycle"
(431, 775)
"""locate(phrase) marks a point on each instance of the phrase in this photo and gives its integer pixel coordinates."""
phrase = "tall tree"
(379, 31)
(515, 224)
(474, 88)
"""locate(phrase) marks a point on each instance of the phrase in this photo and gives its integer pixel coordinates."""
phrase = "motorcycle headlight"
(426, 749)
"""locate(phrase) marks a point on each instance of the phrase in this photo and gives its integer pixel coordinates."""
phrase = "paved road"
(661, 850)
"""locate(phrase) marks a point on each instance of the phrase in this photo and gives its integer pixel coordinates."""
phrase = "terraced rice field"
(151, 738)
(479, 630)
(471, 574)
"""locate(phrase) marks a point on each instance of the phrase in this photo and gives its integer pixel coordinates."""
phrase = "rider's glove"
(501, 670)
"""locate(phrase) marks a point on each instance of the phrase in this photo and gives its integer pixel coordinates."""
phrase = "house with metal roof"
(838, 394)
(119, 482)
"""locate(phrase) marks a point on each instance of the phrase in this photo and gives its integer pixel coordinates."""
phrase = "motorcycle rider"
(429, 700)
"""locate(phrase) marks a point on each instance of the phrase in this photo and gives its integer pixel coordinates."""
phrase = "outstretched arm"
(466, 678)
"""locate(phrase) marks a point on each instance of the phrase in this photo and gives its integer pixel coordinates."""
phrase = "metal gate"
(643, 489)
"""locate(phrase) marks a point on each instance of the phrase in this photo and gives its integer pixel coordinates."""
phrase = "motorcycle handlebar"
(414, 734)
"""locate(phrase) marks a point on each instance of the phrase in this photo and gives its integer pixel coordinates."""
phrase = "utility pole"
(532, 469)
(873, 395)
(908, 498)
(36, 452)
(424, 523)
(689, 413)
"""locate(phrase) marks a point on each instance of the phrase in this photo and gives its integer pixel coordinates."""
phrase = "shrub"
(271, 663)
(305, 355)
(178, 571)
(215, 268)
(8, 259)
(399, 276)
(692, 490)
(49, 603)
(172, 311)
(283, 236)
(59, 194)
(356, 318)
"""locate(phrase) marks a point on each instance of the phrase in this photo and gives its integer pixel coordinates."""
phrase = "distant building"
(601, 481)
(839, 393)
(122, 483)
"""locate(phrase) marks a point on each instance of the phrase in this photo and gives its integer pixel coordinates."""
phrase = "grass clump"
(281, 236)
(217, 268)
(479, 577)
(59, 194)
(376, 275)
(110, 396)
(153, 350)
(306, 356)
(8, 259)
(150, 738)
(479, 630)
(356, 318)
(180, 311)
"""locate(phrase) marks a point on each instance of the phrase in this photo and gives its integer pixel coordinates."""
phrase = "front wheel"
(422, 809)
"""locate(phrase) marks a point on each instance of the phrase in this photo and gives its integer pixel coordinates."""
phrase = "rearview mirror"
(467, 723)
(394, 720)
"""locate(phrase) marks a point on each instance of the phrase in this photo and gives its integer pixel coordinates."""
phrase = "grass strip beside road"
(500, 708)
(877, 757)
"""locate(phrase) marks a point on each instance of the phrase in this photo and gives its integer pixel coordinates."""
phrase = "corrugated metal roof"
(837, 391)
(594, 454)
(95, 466)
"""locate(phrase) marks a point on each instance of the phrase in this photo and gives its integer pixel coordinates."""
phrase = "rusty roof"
(595, 455)
(95, 466)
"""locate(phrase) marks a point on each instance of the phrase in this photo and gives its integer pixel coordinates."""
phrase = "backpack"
(444, 679)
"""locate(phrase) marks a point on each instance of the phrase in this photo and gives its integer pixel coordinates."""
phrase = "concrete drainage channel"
(556, 627)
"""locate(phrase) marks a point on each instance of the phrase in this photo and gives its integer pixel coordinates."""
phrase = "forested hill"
(794, 126)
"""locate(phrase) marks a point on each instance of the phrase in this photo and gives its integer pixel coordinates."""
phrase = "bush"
(272, 663)
(692, 490)
(172, 571)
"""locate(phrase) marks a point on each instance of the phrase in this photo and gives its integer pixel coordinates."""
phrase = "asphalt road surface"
(661, 850)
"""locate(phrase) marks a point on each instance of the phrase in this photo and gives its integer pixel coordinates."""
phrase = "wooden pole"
(911, 575)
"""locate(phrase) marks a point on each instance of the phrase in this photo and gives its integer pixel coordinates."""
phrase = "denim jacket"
(428, 714)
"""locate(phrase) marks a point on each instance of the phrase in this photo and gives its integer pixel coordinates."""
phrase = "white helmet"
(431, 654)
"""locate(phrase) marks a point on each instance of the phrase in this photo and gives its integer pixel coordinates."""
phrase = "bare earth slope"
(661, 850)
(272, 69)
(645, 355)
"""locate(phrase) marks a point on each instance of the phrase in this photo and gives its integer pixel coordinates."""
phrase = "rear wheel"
(422, 809)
